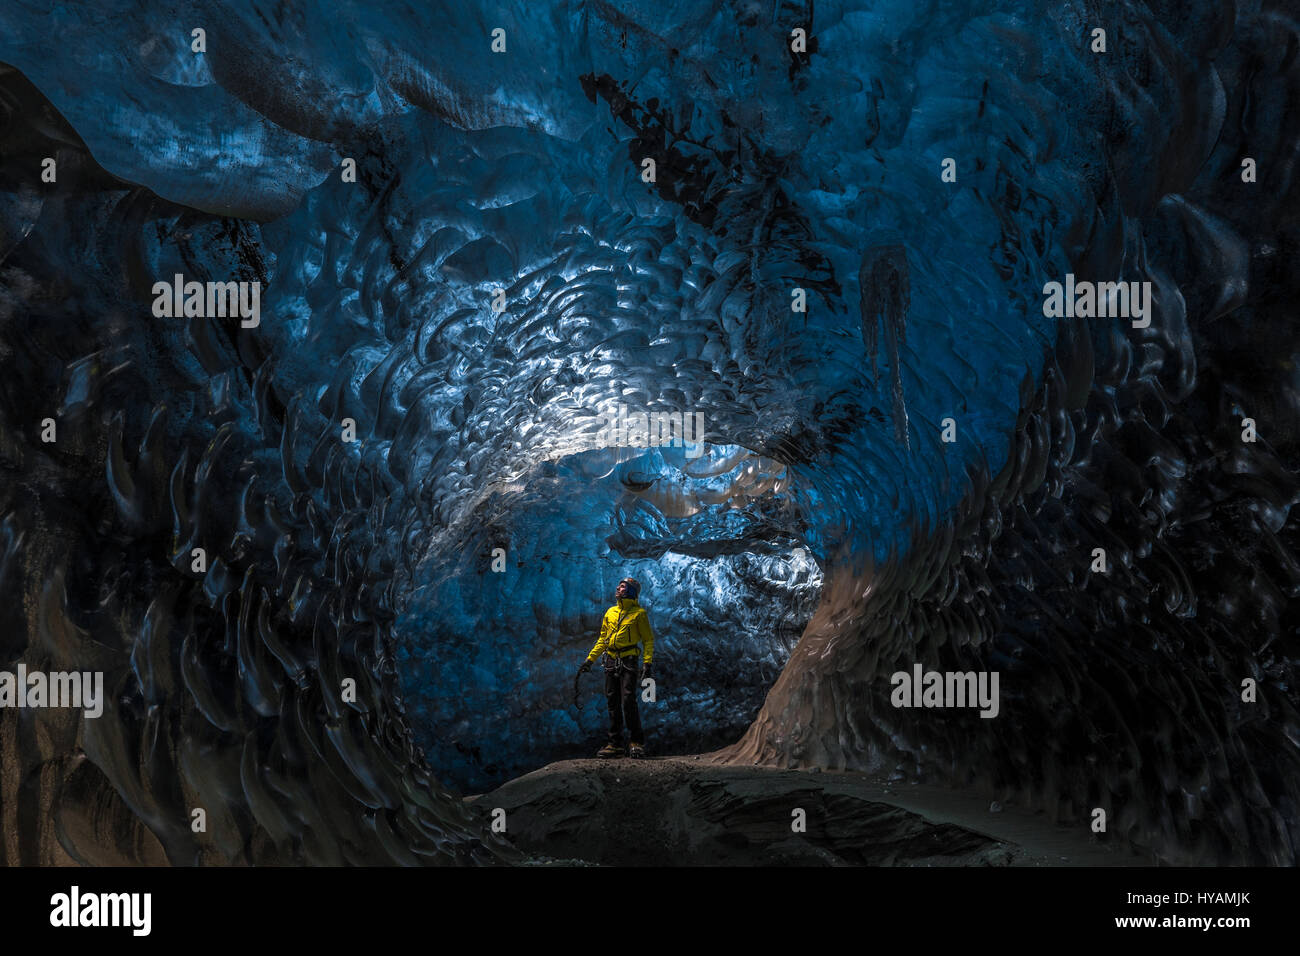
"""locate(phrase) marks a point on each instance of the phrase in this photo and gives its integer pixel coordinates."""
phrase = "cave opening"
(499, 620)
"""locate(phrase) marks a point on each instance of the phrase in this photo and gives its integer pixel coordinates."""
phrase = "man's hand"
(647, 670)
(586, 666)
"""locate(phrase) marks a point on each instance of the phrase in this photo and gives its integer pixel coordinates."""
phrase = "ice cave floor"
(691, 810)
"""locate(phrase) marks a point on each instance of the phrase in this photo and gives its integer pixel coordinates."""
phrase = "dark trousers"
(621, 687)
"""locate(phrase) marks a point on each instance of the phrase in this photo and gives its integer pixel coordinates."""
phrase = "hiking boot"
(610, 750)
(636, 751)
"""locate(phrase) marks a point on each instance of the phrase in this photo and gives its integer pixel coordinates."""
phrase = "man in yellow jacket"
(624, 627)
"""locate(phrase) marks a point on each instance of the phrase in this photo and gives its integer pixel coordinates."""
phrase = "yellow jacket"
(624, 627)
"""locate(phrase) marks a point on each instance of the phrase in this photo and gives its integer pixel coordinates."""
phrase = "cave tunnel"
(339, 560)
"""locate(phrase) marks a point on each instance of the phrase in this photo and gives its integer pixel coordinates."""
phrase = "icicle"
(885, 291)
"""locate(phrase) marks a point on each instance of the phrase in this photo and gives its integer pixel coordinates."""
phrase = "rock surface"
(677, 811)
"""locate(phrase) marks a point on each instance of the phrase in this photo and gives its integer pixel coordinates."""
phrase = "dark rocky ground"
(686, 811)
